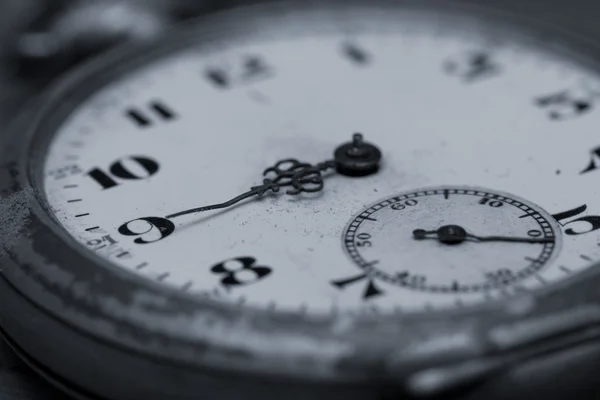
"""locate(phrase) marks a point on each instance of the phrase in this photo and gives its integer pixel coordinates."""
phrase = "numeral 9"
(150, 229)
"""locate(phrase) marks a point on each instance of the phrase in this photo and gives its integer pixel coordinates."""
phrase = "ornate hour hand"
(355, 158)
(455, 234)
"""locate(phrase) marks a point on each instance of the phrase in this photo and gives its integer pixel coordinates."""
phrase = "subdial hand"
(355, 158)
(455, 234)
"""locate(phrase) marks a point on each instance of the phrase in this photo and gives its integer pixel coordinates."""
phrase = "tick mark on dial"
(533, 260)
(565, 269)
(164, 276)
(586, 258)
(455, 286)
(218, 78)
(82, 215)
(541, 279)
(74, 201)
(402, 275)
(71, 186)
(371, 263)
(92, 229)
(527, 215)
(369, 218)
(141, 266)
(446, 194)
(356, 54)
(187, 286)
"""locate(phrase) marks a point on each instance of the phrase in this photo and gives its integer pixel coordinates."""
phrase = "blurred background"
(40, 40)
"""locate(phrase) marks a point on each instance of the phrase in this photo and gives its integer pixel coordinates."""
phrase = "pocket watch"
(324, 200)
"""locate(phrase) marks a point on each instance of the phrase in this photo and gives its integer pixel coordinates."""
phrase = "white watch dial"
(448, 109)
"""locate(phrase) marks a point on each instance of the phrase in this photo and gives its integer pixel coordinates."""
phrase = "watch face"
(486, 185)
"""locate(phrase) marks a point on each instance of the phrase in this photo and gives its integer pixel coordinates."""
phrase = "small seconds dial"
(453, 240)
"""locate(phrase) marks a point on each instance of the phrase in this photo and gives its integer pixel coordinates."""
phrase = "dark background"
(21, 77)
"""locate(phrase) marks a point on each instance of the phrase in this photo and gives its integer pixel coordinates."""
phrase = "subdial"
(452, 240)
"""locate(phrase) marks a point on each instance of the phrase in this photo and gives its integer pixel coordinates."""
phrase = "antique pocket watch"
(332, 199)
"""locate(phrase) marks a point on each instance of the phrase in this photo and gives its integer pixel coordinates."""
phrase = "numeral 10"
(128, 168)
